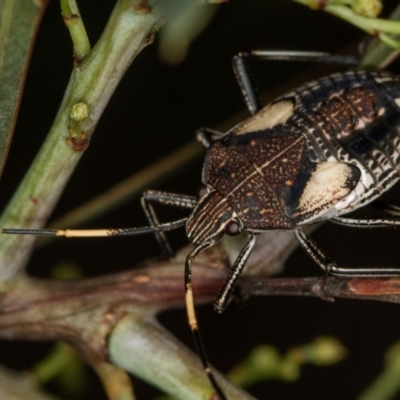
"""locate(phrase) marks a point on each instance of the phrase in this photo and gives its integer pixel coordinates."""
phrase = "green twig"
(64, 366)
(265, 362)
(92, 84)
(370, 25)
(362, 15)
(144, 348)
(116, 382)
(74, 23)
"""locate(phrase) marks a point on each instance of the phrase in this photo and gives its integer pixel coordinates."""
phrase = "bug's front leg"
(151, 197)
(230, 283)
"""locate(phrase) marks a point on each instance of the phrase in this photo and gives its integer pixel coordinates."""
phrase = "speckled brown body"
(322, 150)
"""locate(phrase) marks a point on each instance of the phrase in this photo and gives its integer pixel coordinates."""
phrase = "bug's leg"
(244, 77)
(306, 56)
(314, 251)
(191, 313)
(331, 268)
(230, 283)
(367, 222)
(207, 135)
(245, 81)
(171, 199)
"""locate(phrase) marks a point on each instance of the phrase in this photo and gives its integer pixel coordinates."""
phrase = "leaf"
(19, 21)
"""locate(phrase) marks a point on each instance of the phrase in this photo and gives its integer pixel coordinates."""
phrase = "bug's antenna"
(169, 226)
(191, 313)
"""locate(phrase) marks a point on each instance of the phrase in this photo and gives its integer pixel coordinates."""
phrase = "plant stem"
(373, 26)
(73, 20)
(116, 382)
(144, 348)
(92, 84)
(370, 25)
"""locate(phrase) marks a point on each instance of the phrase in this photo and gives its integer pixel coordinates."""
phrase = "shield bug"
(316, 153)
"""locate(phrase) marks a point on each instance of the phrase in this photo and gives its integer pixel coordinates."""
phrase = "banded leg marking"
(192, 318)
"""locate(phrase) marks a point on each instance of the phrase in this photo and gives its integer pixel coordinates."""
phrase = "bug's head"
(212, 218)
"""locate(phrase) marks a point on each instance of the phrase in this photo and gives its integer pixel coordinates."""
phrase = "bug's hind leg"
(370, 222)
(151, 197)
(311, 248)
(330, 267)
(245, 80)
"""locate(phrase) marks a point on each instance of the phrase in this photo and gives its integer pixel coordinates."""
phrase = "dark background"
(155, 110)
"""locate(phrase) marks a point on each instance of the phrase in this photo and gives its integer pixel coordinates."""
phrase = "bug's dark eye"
(202, 192)
(232, 228)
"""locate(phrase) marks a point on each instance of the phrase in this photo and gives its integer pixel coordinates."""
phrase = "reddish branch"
(84, 312)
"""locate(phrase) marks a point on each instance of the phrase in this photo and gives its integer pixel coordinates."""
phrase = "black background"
(156, 109)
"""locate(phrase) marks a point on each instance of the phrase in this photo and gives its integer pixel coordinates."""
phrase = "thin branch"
(361, 17)
(73, 21)
(89, 313)
(111, 318)
(326, 288)
(93, 83)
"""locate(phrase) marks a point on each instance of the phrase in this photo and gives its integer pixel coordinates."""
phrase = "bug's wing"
(328, 184)
(270, 116)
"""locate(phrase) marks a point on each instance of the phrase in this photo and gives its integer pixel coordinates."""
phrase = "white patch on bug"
(346, 203)
(361, 123)
(327, 186)
(353, 200)
(397, 101)
(381, 111)
(270, 116)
